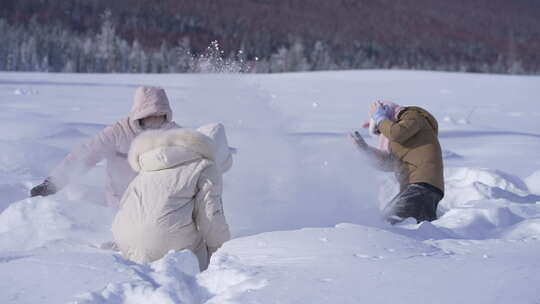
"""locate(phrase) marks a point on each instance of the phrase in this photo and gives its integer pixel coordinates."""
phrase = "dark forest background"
(143, 36)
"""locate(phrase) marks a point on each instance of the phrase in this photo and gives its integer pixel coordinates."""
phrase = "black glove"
(43, 189)
(358, 140)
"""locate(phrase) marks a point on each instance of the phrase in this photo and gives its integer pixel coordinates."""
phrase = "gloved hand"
(44, 189)
(358, 140)
(381, 113)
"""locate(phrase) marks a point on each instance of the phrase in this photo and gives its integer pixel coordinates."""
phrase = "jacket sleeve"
(208, 211)
(84, 158)
(406, 127)
(381, 160)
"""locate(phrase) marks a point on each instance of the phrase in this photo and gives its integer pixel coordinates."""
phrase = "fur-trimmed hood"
(157, 149)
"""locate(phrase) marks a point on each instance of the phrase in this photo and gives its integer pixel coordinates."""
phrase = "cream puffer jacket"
(174, 203)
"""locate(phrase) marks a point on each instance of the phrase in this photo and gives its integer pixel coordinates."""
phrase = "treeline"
(44, 48)
(52, 48)
(141, 36)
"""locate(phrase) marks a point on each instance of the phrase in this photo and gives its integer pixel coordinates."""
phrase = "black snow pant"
(418, 200)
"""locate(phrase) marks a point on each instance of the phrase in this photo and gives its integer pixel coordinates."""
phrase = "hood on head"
(149, 101)
(158, 149)
(430, 118)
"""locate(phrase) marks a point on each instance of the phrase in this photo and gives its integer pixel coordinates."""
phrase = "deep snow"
(295, 181)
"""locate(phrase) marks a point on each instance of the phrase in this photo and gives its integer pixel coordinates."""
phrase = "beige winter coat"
(415, 145)
(112, 144)
(174, 203)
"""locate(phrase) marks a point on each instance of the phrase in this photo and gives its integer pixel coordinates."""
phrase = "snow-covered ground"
(302, 203)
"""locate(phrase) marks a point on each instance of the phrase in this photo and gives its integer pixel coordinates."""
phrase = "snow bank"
(479, 203)
(170, 280)
(228, 276)
(485, 203)
(529, 229)
(32, 223)
(56, 273)
(255, 267)
(465, 185)
(35, 222)
(487, 219)
(355, 264)
(469, 184)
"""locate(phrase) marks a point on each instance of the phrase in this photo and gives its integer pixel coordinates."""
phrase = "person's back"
(416, 145)
(175, 201)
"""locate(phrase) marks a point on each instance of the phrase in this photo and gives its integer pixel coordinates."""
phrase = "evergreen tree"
(297, 61)
(106, 45)
(136, 58)
(279, 61)
(181, 57)
(320, 57)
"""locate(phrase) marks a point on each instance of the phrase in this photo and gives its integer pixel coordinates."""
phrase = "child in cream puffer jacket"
(174, 203)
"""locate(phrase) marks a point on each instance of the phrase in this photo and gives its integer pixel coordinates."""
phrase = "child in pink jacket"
(151, 110)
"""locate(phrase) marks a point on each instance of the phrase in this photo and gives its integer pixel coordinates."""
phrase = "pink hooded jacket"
(112, 144)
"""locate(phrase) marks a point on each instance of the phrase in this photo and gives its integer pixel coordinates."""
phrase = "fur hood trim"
(189, 140)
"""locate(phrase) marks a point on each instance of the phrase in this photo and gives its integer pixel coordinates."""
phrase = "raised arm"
(381, 160)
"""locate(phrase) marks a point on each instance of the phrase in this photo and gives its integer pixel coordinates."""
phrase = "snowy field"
(302, 203)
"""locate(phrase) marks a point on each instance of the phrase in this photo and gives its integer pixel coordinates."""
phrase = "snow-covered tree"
(106, 44)
(320, 57)
(297, 60)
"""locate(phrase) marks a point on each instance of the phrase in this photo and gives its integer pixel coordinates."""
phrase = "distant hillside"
(468, 35)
